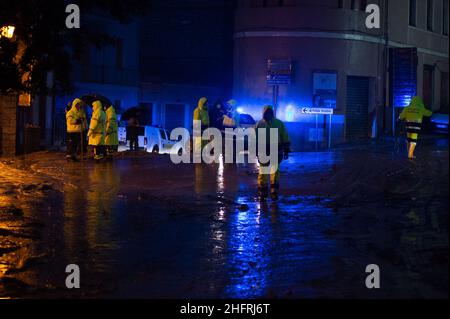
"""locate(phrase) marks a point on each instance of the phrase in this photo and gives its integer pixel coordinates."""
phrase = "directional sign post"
(279, 72)
(320, 111)
(317, 110)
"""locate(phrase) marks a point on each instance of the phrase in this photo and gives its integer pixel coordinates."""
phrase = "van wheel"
(180, 152)
(155, 150)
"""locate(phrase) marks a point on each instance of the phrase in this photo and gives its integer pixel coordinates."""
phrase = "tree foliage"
(47, 44)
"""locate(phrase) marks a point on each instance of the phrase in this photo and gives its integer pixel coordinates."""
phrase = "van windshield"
(163, 134)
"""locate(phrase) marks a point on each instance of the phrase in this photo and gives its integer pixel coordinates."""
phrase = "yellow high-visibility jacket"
(201, 113)
(112, 134)
(415, 111)
(283, 136)
(72, 118)
(97, 127)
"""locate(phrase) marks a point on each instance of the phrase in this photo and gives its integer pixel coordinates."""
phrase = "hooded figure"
(232, 112)
(74, 121)
(111, 131)
(269, 122)
(413, 115)
(201, 114)
(96, 132)
(216, 114)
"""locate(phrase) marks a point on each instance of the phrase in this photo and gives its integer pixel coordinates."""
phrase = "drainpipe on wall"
(386, 60)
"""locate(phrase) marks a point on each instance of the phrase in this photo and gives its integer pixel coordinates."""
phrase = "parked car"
(439, 123)
(246, 121)
(124, 145)
(154, 140)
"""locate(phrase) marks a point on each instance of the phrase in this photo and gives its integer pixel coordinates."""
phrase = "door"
(357, 113)
(444, 93)
(174, 116)
(428, 85)
(146, 117)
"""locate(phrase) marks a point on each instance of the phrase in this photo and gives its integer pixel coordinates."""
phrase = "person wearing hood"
(413, 115)
(266, 172)
(201, 114)
(216, 115)
(112, 132)
(74, 123)
(96, 132)
(232, 112)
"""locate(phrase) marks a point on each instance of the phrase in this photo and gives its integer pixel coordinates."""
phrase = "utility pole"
(386, 63)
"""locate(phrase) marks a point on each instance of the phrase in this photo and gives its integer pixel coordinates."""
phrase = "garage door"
(174, 116)
(357, 114)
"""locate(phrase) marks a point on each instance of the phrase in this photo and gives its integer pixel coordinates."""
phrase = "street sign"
(279, 72)
(317, 110)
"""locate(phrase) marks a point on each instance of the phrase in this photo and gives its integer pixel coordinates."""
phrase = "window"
(359, 5)
(362, 5)
(412, 13)
(428, 85)
(445, 18)
(444, 92)
(430, 15)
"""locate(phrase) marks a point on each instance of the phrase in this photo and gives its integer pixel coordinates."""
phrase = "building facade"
(186, 53)
(295, 54)
(335, 60)
(111, 70)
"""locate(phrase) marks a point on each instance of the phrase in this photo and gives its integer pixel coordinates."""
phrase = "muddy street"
(142, 227)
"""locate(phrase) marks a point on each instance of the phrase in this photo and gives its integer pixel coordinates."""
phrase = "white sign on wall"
(317, 110)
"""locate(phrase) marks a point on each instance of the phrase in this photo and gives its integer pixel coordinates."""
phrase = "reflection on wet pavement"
(138, 227)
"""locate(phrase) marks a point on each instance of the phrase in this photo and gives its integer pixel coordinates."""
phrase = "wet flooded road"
(142, 227)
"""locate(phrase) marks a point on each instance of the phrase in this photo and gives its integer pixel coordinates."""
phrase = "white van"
(155, 140)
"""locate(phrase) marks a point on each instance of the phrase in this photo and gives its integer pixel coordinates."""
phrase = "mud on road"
(143, 227)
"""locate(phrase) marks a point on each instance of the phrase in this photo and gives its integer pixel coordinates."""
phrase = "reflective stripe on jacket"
(112, 135)
(415, 111)
(97, 127)
(72, 116)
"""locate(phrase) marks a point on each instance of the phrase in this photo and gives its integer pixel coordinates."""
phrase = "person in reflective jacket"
(265, 170)
(201, 114)
(96, 132)
(413, 115)
(111, 131)
(74, 123)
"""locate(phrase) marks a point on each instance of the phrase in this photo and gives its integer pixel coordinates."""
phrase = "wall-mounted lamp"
(7, 31)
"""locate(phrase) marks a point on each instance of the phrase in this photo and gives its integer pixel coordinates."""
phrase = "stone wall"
(8, 113)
